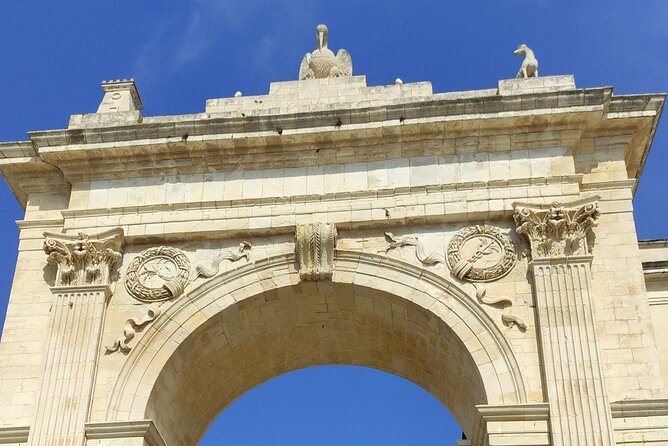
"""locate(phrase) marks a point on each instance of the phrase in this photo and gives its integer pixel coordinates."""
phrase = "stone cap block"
(120, 96)
(531, 85)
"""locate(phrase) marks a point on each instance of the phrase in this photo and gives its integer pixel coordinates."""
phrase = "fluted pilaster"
(85, 267)
(560, 237)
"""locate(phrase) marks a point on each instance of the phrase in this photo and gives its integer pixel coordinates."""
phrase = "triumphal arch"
(480, 244)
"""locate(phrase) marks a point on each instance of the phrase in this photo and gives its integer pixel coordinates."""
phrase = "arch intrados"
(169, 350)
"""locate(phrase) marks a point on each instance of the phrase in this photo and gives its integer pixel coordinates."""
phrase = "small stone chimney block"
(120, 96)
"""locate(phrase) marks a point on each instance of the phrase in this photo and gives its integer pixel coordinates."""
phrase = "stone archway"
(259, 321)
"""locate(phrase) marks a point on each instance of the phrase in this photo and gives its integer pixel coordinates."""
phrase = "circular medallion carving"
(158, 274)
(481, 253)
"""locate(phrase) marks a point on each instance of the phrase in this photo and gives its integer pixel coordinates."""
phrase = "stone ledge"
(639, 408)
(125, 429)
(12, 435)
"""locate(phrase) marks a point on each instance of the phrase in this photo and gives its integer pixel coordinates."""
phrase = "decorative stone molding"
(481, 253)
(557, 230)
(131, 327)
(243, 251)
(315, 250)
(82, 259)
(158, 274)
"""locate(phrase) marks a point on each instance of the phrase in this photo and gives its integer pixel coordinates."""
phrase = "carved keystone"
(558, 229)
(315, 250)
(82, 259)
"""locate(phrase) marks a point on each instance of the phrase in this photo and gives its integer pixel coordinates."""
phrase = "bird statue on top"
(322, 62)
(529, 66)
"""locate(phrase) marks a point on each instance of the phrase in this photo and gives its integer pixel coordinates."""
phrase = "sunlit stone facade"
(480, 244)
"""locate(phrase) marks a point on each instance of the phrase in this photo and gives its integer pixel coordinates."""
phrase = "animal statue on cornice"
(529, 66)
(322, 63)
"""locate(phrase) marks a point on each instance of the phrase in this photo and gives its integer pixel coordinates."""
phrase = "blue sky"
(54, 54)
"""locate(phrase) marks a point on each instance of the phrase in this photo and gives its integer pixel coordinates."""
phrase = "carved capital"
(82, 259)
(558, 229)
(315, 250)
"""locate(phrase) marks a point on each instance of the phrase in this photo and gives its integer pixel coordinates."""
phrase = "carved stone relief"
(315, 250)
(557, 230)
(132, 326)
(82, 259)
(243, 251)
(480, 253)
(158, 274)
(162, 273)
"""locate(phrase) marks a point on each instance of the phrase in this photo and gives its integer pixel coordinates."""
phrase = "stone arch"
(259, 321)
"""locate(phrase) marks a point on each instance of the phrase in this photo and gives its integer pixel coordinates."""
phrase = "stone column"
(560, 236)
(81, 289)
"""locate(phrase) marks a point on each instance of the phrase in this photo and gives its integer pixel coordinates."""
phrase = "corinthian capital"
(82, 259)
(557, 229)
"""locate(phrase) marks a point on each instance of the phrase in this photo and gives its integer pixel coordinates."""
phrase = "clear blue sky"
(54, 54)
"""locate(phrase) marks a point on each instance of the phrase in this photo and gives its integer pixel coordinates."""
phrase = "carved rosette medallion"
(481, 253)
(158, 274)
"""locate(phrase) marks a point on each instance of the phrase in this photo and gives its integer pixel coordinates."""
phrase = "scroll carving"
(243, 251)
(82, 259)
(315, 250)
(557, 230)
(132, 326)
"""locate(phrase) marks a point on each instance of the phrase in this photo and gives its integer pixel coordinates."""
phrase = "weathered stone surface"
(556, 347)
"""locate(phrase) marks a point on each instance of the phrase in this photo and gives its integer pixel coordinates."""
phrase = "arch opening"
(333, 405)
(258, 322)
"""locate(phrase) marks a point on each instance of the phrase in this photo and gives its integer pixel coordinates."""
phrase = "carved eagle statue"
(322, 62)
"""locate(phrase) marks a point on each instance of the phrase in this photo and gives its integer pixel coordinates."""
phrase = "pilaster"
(560, 236)
(81, 289)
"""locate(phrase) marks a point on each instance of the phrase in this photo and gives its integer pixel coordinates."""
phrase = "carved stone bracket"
(130, 330)
(82, 259)
(557, 230)
(315, 250)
